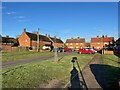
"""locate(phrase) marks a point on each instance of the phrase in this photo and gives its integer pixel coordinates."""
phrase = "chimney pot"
(71, 37)
(54, 36)
(7, 36)
(24, 29)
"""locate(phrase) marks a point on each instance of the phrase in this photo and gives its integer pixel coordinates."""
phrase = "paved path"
(30, 60)
(89, 76)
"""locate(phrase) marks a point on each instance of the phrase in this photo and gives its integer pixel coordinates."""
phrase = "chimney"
(106, 36)
(72, 38)
(97, 36)
(46, 35)
(78, 38)
(7, 36)
(24, 29)
(49, 36)
(102, 36)
(55, 37)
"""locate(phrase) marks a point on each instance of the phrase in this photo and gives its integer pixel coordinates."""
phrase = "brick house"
(7, 43)
(76, 43)
(56, 42)
(100, 42)
(28, 39)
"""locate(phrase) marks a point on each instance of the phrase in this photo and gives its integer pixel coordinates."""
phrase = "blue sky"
(63, 19)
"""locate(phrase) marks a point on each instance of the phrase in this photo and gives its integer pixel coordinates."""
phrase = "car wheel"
(78, 52)
(90, 53)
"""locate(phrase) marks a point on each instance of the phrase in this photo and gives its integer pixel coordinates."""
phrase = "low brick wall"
(108, 52)
(6, 48)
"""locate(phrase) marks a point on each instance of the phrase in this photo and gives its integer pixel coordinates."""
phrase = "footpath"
(89, 77)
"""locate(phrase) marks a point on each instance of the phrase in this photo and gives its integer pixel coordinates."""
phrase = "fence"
(9, 48)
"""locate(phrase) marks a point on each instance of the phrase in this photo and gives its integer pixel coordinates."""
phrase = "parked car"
(58, 49)
(67, 50)
(46, 47)
(85, 51)
(92, 49)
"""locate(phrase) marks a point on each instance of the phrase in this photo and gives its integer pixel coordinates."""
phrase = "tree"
(87, 44)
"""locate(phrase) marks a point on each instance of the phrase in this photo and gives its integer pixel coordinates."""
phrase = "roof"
(56, 40)
(8, 40)
(76, 40)
(43, 38)
(34, 37)
(105, 39)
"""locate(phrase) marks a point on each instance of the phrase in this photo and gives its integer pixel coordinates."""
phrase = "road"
(30, 60)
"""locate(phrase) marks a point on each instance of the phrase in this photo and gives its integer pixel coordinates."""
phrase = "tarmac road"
(30, 60)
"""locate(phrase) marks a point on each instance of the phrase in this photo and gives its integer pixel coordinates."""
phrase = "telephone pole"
(38, 40)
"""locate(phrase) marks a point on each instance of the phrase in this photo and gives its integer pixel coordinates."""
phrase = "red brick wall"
(24, 40)
(6, 48)
(75, 45)
(58, 44)
(41, 43)
(99, 45)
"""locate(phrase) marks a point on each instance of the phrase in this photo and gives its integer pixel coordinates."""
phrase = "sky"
(61, 19)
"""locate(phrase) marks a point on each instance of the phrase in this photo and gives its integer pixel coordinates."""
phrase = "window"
(81, 43)
(76, 43)
(71, 47)
(25, 40)
(66, 43)
(98, 42)
(77, 47)
(98, 47)
(105, 43)
(70, 43)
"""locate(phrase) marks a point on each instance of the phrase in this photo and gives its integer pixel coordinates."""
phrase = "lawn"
(112, 63)
(12, 56)
(33, 75)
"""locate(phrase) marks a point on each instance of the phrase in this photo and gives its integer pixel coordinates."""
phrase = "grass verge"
(112, 76)
(12, 56)
(35, 74)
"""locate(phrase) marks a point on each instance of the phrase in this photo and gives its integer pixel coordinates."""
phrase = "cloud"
(22, 20)
(9, 13)
(21, 17)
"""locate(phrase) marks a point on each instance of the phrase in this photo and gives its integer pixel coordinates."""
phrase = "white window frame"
(76, 43)
(26, 40)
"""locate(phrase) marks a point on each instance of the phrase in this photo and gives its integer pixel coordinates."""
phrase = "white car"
(46, 48)
(92, 49)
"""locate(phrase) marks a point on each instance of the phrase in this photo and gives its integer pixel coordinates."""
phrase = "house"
(76, 43)
(30, 40)
(118, 43)
(56, 42)
(7, 43)
(100, 42)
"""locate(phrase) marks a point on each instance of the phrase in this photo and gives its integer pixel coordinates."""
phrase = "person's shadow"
(74, 79)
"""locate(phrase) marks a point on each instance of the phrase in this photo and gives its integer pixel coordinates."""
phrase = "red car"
(85, 51)
(67, 50)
